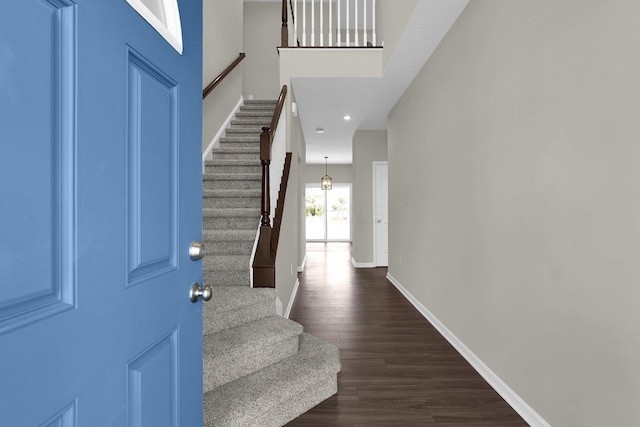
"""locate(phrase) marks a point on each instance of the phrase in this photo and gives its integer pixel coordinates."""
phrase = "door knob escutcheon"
(197, 251)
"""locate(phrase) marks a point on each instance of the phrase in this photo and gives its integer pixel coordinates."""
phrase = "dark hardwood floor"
(397, 370)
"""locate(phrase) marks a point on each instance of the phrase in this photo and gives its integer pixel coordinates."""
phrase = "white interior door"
(381, 213)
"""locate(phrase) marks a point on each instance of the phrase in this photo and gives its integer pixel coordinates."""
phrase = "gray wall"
(514, 158)
(368, 146)
(291, 247)
(341, 174)
(287, 256)
(262, 23)
(391, 18)
(298, 141)
(222, 42)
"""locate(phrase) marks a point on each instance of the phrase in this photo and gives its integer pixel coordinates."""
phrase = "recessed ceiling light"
(319, 130)
(347, 117)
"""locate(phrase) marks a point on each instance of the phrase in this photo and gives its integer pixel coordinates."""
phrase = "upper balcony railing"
(329, 23)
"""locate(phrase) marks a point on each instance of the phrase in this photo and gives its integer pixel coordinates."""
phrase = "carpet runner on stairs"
(259, 369)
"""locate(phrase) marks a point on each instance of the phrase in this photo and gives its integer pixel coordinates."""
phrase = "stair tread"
(251, 335)
(229, 235)
(243, 138)
(248, 348)
(230, 212)
(225, 176)
(244, 129)
(233, 162)
(233, 306)
(255, 113)
(260, 101)
(219, 263)
(243, 401)
(234, 150)
(231, 298)
(248, 193)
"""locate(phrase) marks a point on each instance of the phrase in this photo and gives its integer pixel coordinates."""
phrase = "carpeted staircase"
(259, 369)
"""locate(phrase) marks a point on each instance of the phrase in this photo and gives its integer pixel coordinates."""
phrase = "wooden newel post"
(284, 35)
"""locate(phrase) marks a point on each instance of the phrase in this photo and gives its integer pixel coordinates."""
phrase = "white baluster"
(313, 23)
(295, 23)
(321, 23)
(373, 16)
(304, 23)
(347, 26)
(364, 36)
(355, 25)
(330, 38)
(339, 31)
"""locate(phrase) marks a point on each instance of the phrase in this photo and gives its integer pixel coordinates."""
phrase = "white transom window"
(164, 16)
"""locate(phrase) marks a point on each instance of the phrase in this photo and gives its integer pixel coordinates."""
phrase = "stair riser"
(239, 363)
(301, 381)
(230, 223)
(231, 169)
(226, 278)
(254, 114)
(226, 263)
(236, 156)
(255, 139)
(315, 394)
(261, 108)
(251, 122)
(228, 248)
(221, 320)
(241, 144)
(243, 131)
(231, 185)
(231, 202)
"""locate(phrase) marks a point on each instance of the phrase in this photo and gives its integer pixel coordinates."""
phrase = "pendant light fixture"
(326, 182)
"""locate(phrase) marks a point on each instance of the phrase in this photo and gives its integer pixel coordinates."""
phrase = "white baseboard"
(292, 299)
(516, 402)
(216, 139)
(304, 262)
(362, 264)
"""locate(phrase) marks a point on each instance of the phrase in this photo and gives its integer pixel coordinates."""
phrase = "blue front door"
(100, 198)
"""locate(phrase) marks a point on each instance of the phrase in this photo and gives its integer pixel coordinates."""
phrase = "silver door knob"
(196, 292)
(196, 251)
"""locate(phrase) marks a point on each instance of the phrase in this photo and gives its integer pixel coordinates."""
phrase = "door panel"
(100, 198)
(152, 173)
(42, 205)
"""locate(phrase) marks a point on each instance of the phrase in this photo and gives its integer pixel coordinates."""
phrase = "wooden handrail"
(278, 111)
(293, 15)
(264, 263)
(277, 220)
(207, 90)
(266, 140)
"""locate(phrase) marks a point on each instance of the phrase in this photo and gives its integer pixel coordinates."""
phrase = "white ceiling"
(324, 102)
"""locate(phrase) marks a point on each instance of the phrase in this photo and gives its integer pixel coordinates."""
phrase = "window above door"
(164, 16)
